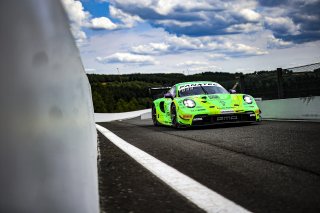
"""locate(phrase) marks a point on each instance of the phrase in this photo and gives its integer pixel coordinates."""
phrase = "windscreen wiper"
(205, 91)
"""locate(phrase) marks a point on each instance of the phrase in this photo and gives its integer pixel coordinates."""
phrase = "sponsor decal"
(223, 103)
(191, 86)
(227, 111)
(213, 96)
(227, 118)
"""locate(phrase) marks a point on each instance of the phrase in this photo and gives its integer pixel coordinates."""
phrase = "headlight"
(247, 99)
(189, 103)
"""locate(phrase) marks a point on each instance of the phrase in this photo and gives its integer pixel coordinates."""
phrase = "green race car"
(203, 103)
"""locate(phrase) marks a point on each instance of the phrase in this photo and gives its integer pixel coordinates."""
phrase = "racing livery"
(203, 103)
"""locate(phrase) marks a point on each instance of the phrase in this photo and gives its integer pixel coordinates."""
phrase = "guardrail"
(48, 141)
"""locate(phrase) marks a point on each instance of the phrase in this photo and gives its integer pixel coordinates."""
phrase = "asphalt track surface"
(267, 167)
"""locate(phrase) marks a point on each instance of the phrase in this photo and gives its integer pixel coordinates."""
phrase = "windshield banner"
(190, 86)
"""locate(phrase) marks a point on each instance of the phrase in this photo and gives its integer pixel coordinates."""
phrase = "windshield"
(200, 90)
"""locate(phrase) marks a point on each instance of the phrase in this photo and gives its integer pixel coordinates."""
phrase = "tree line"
(121, 93)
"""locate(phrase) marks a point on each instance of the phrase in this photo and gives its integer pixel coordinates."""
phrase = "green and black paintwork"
(209, 108)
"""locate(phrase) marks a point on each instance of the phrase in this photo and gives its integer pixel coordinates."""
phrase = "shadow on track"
(206, 127)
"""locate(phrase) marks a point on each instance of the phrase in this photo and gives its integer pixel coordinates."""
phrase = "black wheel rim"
(173, 115)
(154, 115)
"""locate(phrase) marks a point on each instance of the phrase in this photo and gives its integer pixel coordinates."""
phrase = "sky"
(194, 36)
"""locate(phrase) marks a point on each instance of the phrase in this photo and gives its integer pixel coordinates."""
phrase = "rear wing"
(158, 92)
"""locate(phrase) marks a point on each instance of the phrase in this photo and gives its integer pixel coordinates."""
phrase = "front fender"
(184, 114)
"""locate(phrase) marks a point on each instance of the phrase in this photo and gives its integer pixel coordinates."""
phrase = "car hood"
(218, 101)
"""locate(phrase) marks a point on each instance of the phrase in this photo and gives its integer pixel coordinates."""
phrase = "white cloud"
(238, 5)
(198, 69)
(79, 35)
(184, 42)
(243, 50)
(103, 23)
(123, 40)
(165, 7)
(276, 43)
(192, 63)
(78, 18)
(177, 45)
(76, 12)
(127, 20)
(282, 25)
(90, 70)
(127, 58)
(244, 28)
(296, 20)
(218, 56)
(151, 48)
(250, 15)
(175, 23)
(190, 17)
(191, 67)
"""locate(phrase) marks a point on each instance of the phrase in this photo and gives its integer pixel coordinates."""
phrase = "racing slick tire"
(173, 113)
(154, 116)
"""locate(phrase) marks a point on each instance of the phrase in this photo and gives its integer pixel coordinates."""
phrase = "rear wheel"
(174, 119)
(154, 116)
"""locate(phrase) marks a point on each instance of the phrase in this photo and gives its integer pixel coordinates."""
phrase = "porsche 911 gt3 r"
(203, 103)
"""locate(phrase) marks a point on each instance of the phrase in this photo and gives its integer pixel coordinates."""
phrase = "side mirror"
(168, 95)
(232, 91)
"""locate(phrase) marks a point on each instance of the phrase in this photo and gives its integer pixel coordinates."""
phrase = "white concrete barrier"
(107, 117)
(146, 115)
(48, 143)
(307, 108)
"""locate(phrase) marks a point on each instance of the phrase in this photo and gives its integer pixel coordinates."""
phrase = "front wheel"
(174, 119)
(154, 116)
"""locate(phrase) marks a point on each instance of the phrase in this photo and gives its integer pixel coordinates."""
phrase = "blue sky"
(192, 36)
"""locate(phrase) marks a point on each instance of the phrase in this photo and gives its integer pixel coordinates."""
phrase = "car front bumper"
(225, 118)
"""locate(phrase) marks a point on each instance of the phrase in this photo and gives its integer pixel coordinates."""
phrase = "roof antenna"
(235, 86)
(119, 75)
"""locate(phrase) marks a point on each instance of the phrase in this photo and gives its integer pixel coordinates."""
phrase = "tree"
(98, 103)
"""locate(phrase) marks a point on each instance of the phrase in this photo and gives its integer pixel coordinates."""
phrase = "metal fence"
(302, 81)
